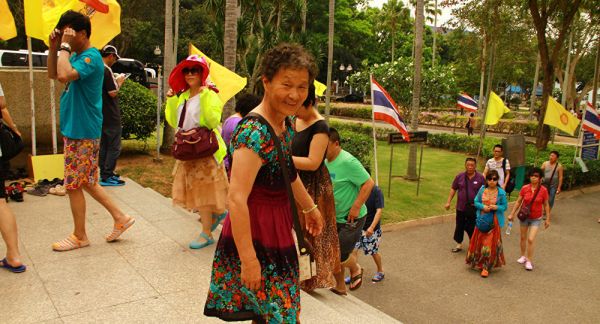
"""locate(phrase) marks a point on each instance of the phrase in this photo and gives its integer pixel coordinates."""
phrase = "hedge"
(356, 139)
(572, 173)
(138, 110)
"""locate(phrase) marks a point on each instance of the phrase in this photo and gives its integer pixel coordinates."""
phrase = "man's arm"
(506, 176)
(363, 195)
(450, 197)
(560, 178)
(64, 70)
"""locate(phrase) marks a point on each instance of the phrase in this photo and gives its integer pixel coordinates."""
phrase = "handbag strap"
(552, 176)
(182, 115)
(535, 195)
(286, 179)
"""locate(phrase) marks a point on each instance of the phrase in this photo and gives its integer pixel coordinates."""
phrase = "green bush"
(357, 139)
(138, 110)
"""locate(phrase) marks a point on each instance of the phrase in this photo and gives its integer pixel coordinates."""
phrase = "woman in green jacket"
(199, 185)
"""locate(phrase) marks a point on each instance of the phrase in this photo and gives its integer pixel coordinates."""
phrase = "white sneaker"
(528, 266)
(522, 259)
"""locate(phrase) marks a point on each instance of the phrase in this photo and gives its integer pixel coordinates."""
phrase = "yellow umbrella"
(42, 16)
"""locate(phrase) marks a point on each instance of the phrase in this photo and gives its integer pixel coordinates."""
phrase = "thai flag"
(385, 109)
(466, 102)
(591, 121)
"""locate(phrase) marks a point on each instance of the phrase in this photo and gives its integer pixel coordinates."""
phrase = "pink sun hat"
(177, 79)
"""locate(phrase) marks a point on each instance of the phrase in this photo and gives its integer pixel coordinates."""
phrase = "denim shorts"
(531, 222)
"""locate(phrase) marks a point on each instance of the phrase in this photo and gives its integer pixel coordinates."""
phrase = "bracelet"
(65, 49)
(308, 210)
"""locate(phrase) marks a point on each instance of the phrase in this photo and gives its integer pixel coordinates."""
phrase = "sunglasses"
(492, 179)
(193, 70)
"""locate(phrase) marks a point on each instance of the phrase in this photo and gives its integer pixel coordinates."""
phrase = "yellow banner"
(227, 81)
(7, 23)
(41, 16)
(559, 117)
(495, 109)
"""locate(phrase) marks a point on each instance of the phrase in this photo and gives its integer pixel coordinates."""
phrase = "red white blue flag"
(385, 109)
(591, 120)
(466, 102)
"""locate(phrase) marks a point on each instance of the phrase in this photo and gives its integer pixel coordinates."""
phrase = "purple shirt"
(460, 185)
(229, 126)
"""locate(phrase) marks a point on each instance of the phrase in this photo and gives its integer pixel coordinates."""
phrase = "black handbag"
(306, 261)
(525, 211)
(11, 144)
(195, 143)
(510, 185)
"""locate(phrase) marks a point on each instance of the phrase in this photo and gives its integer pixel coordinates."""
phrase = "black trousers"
(110, 149)
(465, 222)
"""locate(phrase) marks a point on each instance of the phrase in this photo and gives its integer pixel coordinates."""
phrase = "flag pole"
(483, 126)
(374, 136)
(31, 97)
(53, 116)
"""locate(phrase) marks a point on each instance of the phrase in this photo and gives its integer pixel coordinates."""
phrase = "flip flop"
(356, 278)
(4, 264)
(197, 245)
(347, 280)
(378, 277)
(337, 292)
(119, 229)
(456, 250)
(217, 220)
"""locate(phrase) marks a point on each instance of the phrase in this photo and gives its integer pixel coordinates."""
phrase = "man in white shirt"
(500, 164)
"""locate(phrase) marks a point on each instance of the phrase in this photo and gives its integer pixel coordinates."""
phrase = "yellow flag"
(227, 81)
(41, 16)
(319, 88)
(7, 23)
(559, 117)
(495, 109)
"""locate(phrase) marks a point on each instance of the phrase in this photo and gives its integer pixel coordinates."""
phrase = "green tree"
(411, 172)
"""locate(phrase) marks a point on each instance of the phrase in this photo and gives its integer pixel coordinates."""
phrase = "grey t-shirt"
(548, 173)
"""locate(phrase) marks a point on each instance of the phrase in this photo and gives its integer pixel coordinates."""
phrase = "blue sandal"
(4, 264)
(197, 245)
(378, 277)
(217, 220)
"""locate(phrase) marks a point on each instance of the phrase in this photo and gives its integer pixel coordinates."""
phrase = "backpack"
(510, 185)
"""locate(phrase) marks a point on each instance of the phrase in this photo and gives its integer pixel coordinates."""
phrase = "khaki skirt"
(200, 185)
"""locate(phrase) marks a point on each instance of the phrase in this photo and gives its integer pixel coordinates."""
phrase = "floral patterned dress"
(278, 299)
(485, 249)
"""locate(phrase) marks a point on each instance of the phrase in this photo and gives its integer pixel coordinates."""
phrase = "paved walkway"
(426, 283)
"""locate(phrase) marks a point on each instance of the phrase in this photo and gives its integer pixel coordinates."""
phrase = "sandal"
(356, 278)
(378, 277)
(4, 264)
(337, 292)
(70, 243)
(119, 229)
(217, 220)
(197, 245)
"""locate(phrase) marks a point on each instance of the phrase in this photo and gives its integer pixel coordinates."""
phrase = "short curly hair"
(288, 55)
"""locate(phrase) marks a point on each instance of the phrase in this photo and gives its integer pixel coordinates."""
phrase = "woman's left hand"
(314, 222)
(486, 209)
(546, 223)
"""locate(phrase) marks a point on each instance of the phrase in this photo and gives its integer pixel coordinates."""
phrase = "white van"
(20, 58)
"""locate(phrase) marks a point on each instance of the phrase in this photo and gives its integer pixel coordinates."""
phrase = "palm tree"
(392, 13)
(230, 45)
(411, 173)
(169, 61)
(329, 56)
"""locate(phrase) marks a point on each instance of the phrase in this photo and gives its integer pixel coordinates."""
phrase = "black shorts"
(349, 234)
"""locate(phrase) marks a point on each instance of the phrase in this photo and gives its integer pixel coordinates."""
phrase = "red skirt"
(485, 249)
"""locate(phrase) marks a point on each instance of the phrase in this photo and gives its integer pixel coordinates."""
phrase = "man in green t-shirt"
(352, 185)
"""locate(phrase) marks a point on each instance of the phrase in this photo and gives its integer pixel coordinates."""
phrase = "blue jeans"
(551, 195)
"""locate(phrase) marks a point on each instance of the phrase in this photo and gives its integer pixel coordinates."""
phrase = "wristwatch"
(65, 47)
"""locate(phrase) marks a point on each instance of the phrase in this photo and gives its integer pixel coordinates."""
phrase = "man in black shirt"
(110, 142)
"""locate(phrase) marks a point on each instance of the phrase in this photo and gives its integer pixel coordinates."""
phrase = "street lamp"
(159, 93)
(345, 70)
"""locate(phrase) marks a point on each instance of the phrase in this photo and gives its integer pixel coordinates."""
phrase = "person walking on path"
(352, 185)
(371, 235)
(79, 66)
(467, 185)
(534, 196)
(243, 105)
(8, 224)
(200, 184)
(500, 164)
(485, 248)
(110, 142)
(309, 146)
(553, 176)
(255, 272)
(470, 124)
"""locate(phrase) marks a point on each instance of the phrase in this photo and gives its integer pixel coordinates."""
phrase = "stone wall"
(15, 83)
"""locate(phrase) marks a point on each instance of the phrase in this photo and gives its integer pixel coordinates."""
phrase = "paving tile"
(25, 299)
(190, 303)
(148, 310)
(180, 230)
(141, 234)
(168, 267)
(52, 321)
(90, 282)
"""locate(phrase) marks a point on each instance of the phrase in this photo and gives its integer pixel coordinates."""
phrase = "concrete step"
(180, 225)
